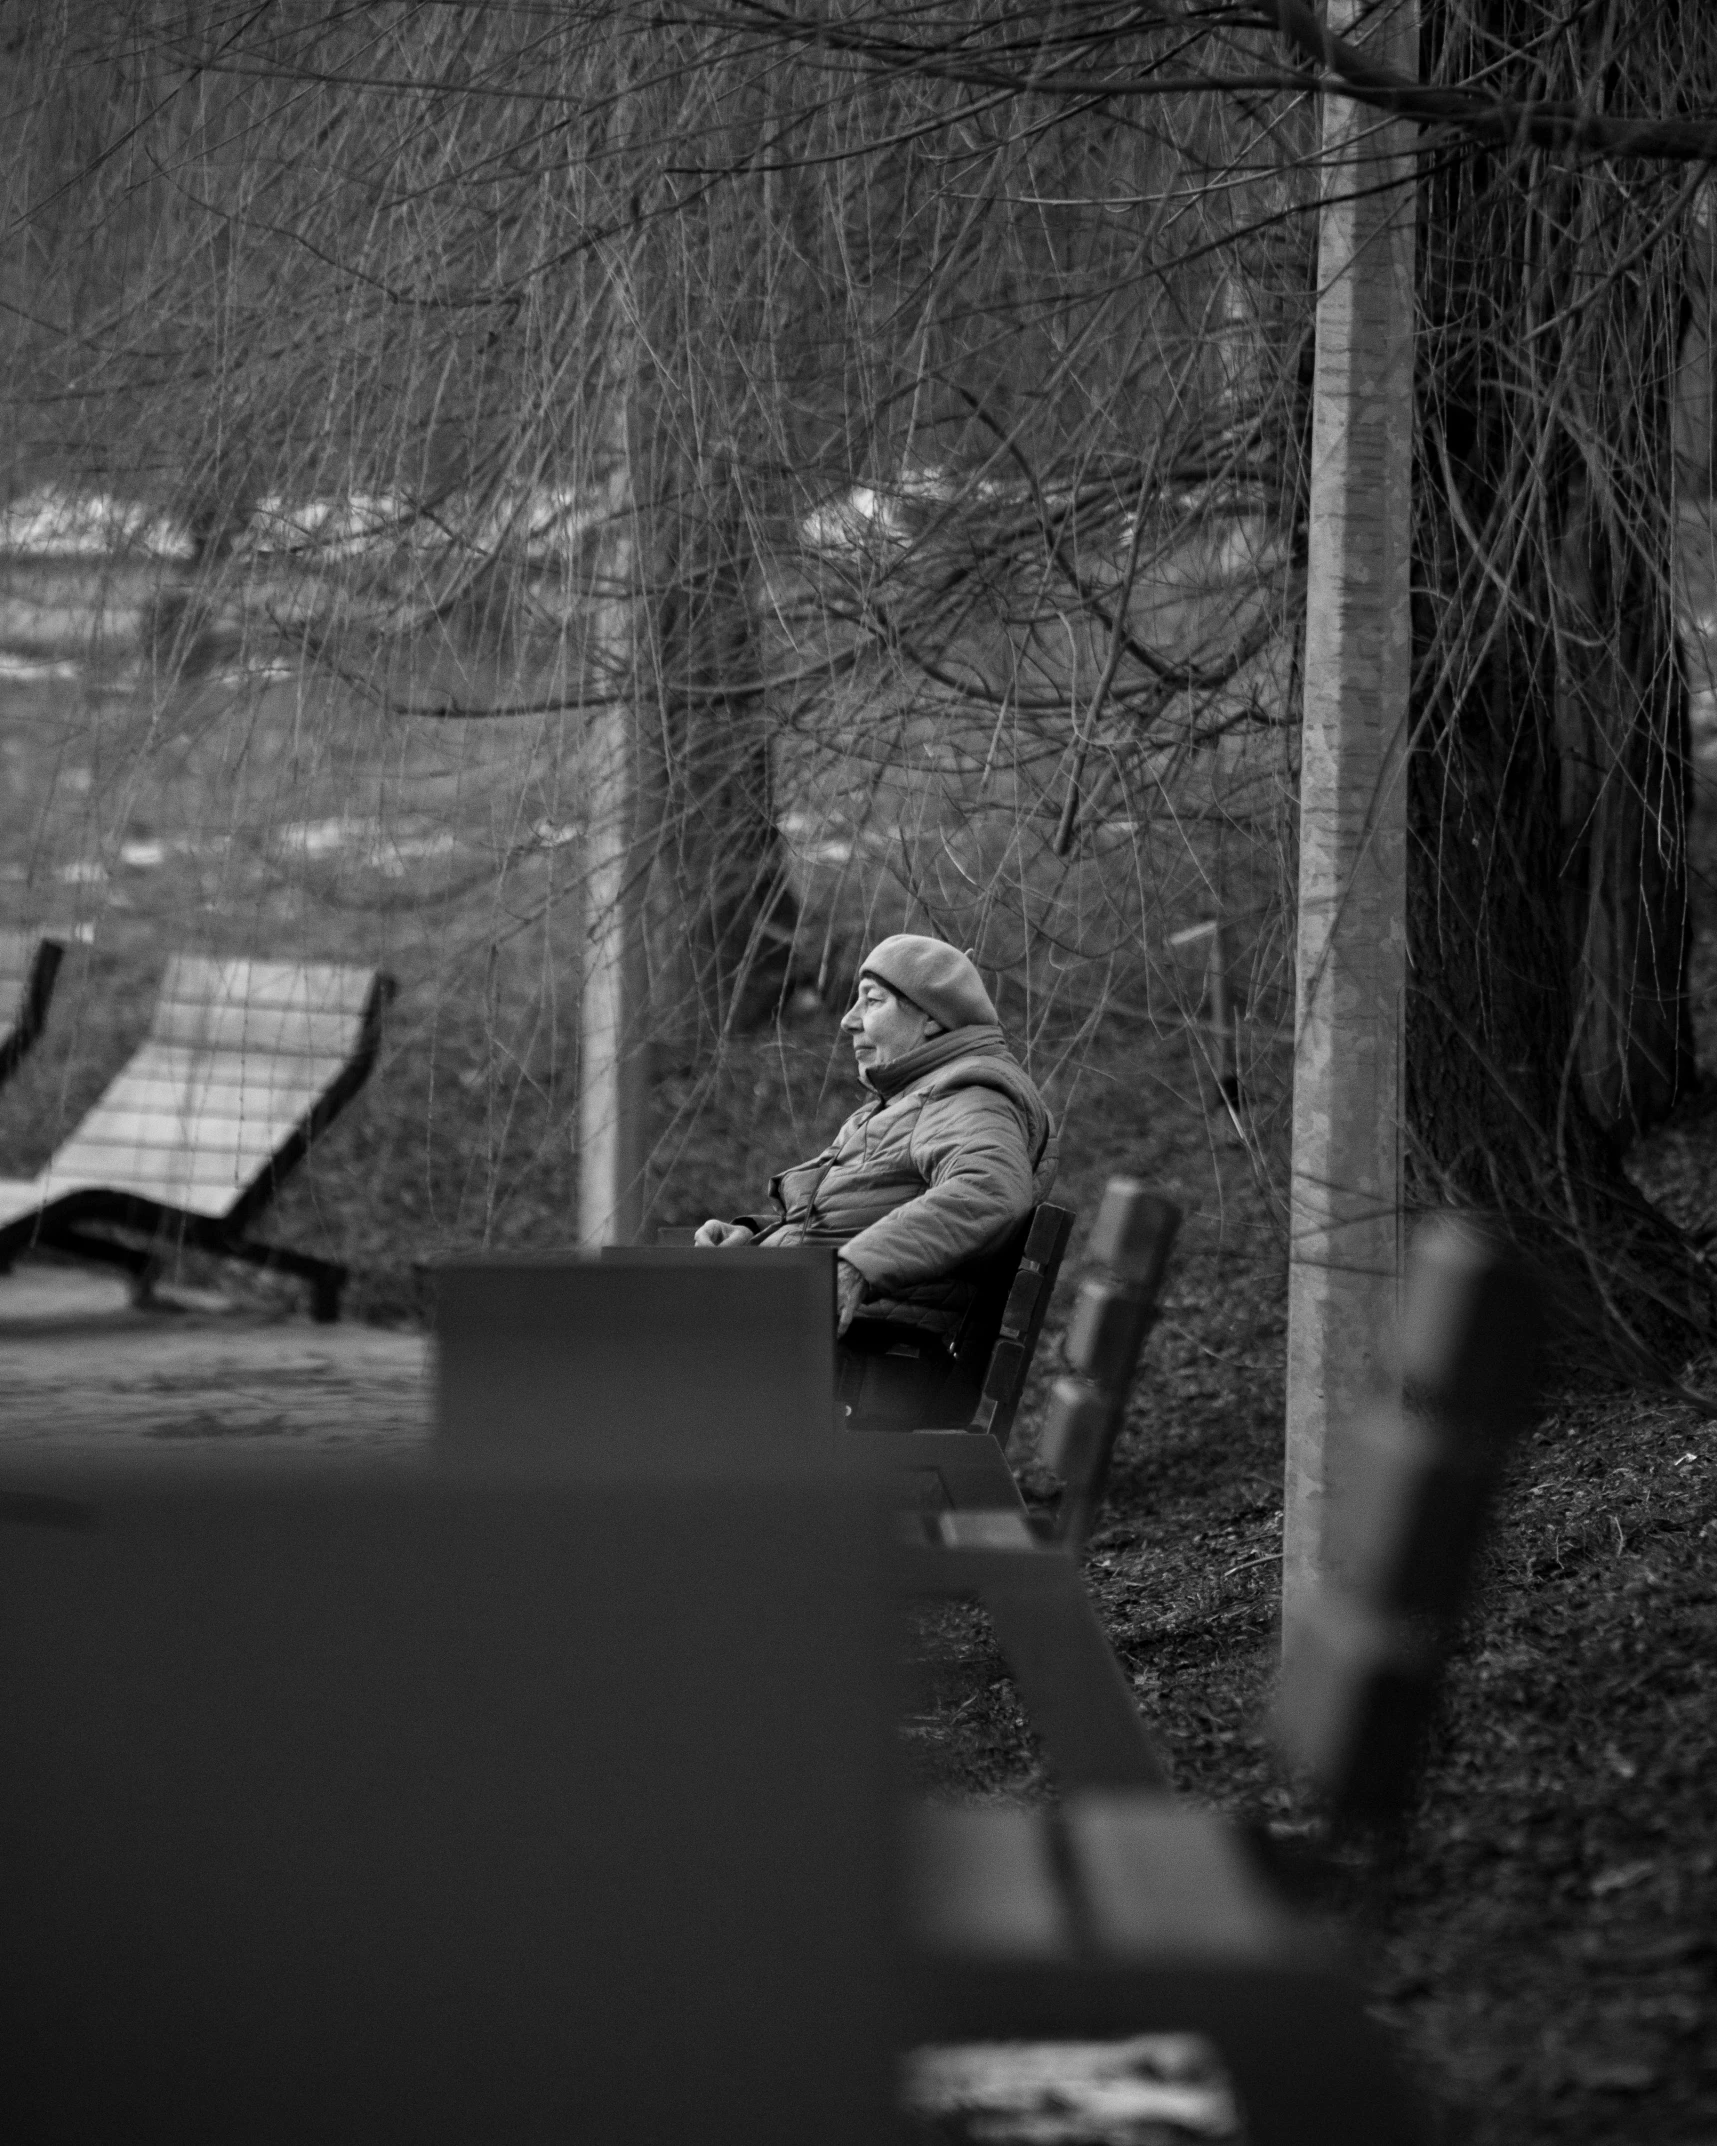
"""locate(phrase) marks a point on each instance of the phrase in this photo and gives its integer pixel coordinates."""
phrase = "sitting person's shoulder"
(984, 1071)
(987, 1093)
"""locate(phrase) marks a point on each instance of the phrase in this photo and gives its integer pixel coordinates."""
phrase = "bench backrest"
(28, 966)
(1115, 1308)
(1363, 1653)
(350, 1806)
(594, 1349)
(1001, 1336)
(244, 1064)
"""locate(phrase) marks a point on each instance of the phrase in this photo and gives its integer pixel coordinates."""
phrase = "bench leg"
(140, 1263)
(326, 1277)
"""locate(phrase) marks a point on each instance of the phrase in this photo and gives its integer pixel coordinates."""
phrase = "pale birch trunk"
(1351, 958)
(613, 1066)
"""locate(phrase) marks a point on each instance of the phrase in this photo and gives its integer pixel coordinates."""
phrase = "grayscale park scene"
(858, 1032)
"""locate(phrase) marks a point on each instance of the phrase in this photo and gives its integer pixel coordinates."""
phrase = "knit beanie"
(934, 976)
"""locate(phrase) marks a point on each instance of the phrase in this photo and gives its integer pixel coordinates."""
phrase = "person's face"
(883, 1026)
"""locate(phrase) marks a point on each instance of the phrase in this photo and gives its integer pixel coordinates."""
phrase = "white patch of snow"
(321, 838)
(342, 528)
(1042, 2094)
(860, 521)
(30, 670)
(367, 843)
(53, 524)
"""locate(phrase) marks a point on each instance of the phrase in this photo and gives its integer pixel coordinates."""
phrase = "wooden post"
(613, 1067)
(1345, 1250)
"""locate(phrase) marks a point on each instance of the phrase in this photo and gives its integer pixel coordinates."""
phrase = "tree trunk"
(1548, 913)
(1345, 1220)
(722, 911)
(614, 1027)
(1623, 759)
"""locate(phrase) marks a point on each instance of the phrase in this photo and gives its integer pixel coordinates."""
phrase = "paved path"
(80, 1367)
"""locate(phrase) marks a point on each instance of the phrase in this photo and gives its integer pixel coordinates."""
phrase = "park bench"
(1071, 1686)
(1113, 1914)
(28, 967)
(1114, 1310)
(578, 1352)
(1364, 1652)
(957, 1467)
(993, 1346)
(350, 1804)
(990, 1352)
(713, 1356)
(982, 1547)
(588, 1353)
(512, 1801)
(245, 1064)
(416, 1802)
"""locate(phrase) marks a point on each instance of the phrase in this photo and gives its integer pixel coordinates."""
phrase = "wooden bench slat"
(167, 1178)
(1072, 1687)
(327, 987)
(982, 1883)
(986, 1530)
(939, 1471)
(1131, 1951)
(1134, 1232)
(202, 1143)
(1363, 1653)
(1161, 1879)
(1104, 1333)
(1022, 1320)
(156, 1103)
(17, 959)
(1113, 1311)
(286, 1031)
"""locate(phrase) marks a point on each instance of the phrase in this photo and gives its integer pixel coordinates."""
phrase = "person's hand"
(720, 1236)
(849, 1293)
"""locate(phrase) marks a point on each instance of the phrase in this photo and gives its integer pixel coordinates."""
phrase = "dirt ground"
(81, 1366)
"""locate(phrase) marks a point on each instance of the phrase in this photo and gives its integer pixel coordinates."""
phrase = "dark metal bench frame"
(35, 990)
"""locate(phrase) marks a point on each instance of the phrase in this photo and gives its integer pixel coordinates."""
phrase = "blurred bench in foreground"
(344, 1805)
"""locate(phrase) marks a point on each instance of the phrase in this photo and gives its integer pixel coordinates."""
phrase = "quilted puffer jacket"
(953, 1150)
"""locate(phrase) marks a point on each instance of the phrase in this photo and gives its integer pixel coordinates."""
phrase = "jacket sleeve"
(970, 1148)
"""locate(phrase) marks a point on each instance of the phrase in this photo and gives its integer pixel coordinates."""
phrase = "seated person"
(940, 1166)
